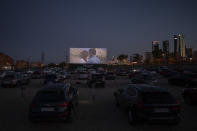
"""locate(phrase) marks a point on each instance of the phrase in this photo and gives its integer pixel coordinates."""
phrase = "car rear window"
(157, 98)
(50, 96)
(51, 77)
(9, 76)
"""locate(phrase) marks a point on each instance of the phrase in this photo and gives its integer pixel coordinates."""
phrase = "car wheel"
(131, 117)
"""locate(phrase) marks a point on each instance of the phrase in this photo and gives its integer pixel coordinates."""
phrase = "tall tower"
(155, 46)
(181, 46)
(175, 45)
(166, 47)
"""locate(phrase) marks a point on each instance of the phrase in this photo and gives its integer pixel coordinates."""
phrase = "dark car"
(110, 76)
(50, 78)
(148, 103)
(188, 79)
(53, 102)
(96, 80)
(11, 80)
(168, 73)
(121, 73)
(190, 95)
(36, 75)
(144, 79)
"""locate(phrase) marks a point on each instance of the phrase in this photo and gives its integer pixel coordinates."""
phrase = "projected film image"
(88, 55)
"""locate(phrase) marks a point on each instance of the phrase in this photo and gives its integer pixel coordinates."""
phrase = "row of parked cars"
(15, 79)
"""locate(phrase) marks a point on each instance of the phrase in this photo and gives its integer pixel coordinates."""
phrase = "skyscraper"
(181, 46)
(166, 47)
(155, 46)
(175, 45)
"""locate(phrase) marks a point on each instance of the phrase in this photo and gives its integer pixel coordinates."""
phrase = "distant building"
(6, 62)
(21, 64)
(175, 45)
(36, 64)
(148, 57)
(166, 47)
(181, 46)
(188, 52)
(194, 56)
(155, 46)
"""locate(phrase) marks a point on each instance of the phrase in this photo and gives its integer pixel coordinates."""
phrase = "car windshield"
(43, 96)
(157, 98)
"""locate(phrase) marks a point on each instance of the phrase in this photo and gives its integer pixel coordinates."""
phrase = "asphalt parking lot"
(100, 114)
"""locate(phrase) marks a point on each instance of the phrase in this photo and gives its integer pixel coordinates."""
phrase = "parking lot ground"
(98, 114)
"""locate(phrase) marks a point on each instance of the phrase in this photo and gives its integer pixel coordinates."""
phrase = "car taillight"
(63, 105)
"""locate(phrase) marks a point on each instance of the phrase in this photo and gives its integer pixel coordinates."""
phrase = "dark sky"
(28, 27)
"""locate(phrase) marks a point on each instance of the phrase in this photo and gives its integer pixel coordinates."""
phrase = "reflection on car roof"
(148, 88)
(54, 86)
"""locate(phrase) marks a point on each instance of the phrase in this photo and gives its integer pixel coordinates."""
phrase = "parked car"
(190, 95)
(188, 79)
(2, 74)
(148, 103)
(168, 73)
(110, 76)
(144, 78)
(83, 75)
(36, 75)
(53, 102)
(96, 80)
(121, 73)
(11, 80)
(24, 78)
(50, 78)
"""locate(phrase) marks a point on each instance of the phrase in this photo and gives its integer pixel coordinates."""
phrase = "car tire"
(131, 117)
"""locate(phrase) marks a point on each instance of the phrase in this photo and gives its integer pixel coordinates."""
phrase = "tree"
(122, 57)
(137, 58)
(51, 65)
(62, 64)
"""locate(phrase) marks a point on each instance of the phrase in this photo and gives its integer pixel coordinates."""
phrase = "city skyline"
(29, 28)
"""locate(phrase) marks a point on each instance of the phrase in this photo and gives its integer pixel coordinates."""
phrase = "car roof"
(54, 86)
(147, 88)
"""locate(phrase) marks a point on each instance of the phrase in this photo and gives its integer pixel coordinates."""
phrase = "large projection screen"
(88, 55)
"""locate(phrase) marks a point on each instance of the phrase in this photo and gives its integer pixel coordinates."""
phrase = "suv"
(148, 103)
(53, 102)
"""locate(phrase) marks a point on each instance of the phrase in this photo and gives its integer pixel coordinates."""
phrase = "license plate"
(161, 110)
(47, 109)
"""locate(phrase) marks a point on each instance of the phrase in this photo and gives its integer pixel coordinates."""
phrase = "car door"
(130, 97)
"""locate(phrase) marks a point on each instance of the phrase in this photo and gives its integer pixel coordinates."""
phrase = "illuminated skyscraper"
(181, 46)
(166, 47)
(175, 45)
(155, 46)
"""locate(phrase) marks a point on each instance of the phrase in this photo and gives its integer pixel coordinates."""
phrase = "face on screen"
(88, 55)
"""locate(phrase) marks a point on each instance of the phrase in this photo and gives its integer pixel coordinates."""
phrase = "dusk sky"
(29, 27)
